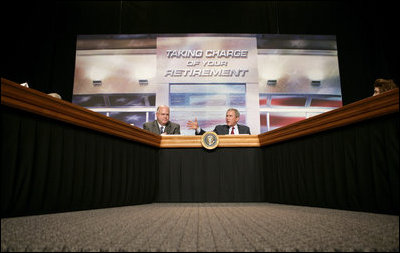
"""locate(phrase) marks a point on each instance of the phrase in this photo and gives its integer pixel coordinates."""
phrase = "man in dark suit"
(162, 125)
(231, 127)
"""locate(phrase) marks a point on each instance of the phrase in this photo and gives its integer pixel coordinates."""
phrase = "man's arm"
(244, 129)
(195, 126)
(149, 127)
(248, 130)
(200, 133)
(221, 129)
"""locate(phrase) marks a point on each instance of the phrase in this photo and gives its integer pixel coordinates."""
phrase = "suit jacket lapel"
(155, 125)
(167, 127)
(242, 129)
(226, 129)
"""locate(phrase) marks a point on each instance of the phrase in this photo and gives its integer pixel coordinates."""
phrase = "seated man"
(231, 127)
(162, 125)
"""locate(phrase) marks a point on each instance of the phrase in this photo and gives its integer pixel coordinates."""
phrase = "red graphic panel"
(279, 121)
(288, 101)
(263, 120)
(326, 102)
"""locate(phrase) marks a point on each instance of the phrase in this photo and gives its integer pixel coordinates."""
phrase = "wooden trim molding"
(17, 96)
(194, 141)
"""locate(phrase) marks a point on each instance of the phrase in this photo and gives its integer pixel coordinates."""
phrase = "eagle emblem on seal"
(209, 140)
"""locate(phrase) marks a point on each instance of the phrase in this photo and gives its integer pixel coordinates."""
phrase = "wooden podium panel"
(194, 141)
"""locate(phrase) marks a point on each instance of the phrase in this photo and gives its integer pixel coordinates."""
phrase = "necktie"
(232, 132)
(162, 129)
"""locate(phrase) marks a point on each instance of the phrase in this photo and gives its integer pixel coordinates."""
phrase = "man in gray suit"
(162, 125)
(231, 127)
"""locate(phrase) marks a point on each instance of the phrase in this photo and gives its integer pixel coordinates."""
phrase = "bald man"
(162, 125)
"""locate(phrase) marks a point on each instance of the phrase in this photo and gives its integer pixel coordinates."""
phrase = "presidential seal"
(209, 140)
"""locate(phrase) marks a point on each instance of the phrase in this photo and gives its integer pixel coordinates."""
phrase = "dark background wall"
(39, 39)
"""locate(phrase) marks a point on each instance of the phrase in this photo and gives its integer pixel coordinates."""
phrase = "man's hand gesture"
(192, 124)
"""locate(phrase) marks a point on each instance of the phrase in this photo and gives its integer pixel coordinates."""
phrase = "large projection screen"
(273, 80)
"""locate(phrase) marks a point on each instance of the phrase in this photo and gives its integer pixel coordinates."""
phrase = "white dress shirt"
(236, 130)
(159, 127)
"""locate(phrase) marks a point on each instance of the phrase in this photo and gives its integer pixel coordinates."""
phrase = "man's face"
(163, 115)
(231, 118)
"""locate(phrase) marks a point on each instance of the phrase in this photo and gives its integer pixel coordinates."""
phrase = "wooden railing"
(17, 96)
(190, 141)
